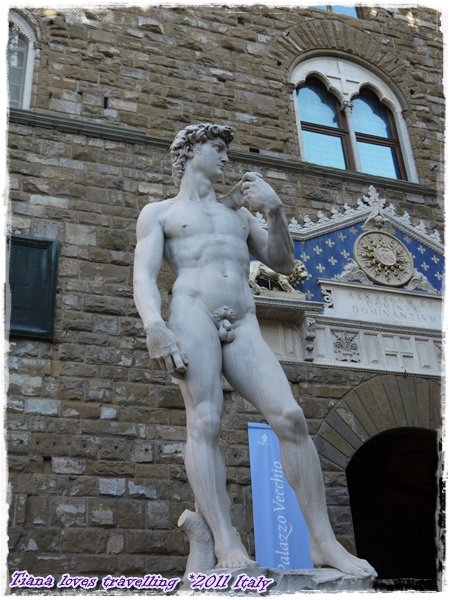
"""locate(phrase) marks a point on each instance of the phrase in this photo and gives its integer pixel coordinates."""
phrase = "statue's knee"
(291, 424)
(205, 427)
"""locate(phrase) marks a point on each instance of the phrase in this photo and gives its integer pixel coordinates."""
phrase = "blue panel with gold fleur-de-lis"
(326, 255)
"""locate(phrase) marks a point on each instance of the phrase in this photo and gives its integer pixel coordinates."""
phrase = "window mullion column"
(346, 107)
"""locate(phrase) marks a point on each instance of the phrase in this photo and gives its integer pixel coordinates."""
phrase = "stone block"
(158, 514)
(49, 200)
(166, 565)
(145, 542)
(111, 487)
(19, 441)
(102, 512)
(77, 486)
(80, 235)
(123, 105)
(142, 451)
(65, 106)
(68, 512)
(108, 412)
(48, 444)
(18, 509)
(26, 385)
(42, 406)
(84, 540)
(64, 465)
(131, 514)
(171, 450)
(115, 543)
(80, 409)
(139, 490)
(108, 468)
(114, 449)
(41, 540)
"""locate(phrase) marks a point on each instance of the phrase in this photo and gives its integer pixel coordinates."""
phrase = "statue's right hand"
(163, 347)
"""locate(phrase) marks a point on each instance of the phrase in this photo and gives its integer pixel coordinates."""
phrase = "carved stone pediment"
(373, 291)
(405, 253)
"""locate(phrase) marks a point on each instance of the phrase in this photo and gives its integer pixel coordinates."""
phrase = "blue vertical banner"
(281, 534)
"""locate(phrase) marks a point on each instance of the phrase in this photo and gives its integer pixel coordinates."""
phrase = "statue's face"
(210, 158)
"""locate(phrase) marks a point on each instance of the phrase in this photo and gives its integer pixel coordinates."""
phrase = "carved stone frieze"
(327, 294)
(352, 272)
(346, 348)
(419, 281)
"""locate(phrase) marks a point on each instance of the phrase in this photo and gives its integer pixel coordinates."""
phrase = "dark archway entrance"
(392, 482)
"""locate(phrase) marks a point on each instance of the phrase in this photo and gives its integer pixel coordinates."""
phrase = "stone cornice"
(286, 162)
(107, 131)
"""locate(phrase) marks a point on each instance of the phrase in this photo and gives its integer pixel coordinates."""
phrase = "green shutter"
(32, 279)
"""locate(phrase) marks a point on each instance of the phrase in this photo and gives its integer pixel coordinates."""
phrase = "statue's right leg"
(202, 392)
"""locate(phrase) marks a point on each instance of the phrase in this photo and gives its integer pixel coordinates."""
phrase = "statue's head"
(182, 147)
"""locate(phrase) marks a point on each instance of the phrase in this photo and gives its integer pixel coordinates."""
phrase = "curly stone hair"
(181, 148)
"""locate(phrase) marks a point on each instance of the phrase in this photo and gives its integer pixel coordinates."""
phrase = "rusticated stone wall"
(96, 435)
(159, 68)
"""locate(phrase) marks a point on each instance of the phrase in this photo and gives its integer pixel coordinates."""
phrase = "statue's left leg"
(255, 373)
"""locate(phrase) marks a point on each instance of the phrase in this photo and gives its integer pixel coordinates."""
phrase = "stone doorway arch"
(385, 404)
(382, 403)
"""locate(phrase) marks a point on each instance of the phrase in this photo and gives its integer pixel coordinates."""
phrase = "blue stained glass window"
(378, 160)
(370, 115)
(322, 149)
(317, 105)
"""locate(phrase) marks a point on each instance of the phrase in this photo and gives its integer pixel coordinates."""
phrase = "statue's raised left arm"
(273, 247)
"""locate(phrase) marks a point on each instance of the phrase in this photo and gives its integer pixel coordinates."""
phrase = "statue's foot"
(333, 554)
(234, 555)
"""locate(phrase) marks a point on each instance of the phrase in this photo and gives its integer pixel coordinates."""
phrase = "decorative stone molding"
(327, 294)
(286, 162)
(309, 337)
(370, 208)
(420, 281)
(382, 403)
(312, 37)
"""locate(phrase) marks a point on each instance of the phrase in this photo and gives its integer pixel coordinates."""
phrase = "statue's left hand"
(258, 194)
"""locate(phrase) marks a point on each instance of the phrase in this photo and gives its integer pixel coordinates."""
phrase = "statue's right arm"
(161, 341)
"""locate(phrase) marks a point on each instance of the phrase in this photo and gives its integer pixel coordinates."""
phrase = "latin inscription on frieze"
(383, 307)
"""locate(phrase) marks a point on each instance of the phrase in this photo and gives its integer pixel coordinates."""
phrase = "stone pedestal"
(241, 581)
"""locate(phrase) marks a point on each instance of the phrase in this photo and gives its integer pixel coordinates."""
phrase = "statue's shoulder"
(154, 210)
(152, 214)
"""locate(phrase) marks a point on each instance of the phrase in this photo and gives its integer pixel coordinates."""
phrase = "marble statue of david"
(212, 329)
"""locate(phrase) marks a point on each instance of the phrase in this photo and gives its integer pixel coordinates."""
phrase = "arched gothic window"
(348, 118)
(21, 53)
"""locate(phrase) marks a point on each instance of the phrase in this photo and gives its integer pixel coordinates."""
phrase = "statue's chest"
(193, 220)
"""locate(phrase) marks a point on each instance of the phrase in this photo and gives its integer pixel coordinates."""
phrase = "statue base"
(255, 581)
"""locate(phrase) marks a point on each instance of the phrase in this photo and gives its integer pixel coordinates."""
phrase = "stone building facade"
(96, 435)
